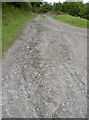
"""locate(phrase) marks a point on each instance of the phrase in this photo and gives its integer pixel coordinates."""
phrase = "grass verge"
(13, 20)
(75, 21)
(43, 16)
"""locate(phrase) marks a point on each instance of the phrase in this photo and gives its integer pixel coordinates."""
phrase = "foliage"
(57, 7)
(84, 13)
(21, 5)
(46, 7)
(73, 8)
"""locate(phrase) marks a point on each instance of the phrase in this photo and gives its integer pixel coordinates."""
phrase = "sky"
(52, 1)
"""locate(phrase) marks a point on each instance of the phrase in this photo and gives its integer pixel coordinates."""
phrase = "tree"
(57, 7)
(73, 8)
(46, 7)
(84, 13)
(21, 5)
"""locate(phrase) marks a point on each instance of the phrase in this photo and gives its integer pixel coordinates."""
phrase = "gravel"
(45, 72)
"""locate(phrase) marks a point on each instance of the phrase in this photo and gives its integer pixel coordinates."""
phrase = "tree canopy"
(73, 8)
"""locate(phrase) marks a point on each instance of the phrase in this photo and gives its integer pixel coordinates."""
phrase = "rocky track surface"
(45, 72)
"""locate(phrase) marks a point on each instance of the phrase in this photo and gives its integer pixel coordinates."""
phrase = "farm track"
(45, 72)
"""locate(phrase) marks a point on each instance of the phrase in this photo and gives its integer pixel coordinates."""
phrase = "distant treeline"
(73, 8)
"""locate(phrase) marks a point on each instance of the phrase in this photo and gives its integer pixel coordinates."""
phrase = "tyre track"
(44, 78)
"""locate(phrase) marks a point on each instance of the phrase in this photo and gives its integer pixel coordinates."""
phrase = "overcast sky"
(85, 1)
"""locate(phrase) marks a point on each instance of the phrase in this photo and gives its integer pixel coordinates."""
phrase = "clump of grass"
(43, 16)
(13, 22)
(76, 21)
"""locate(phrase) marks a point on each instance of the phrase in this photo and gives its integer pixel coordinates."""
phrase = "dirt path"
(45, 72)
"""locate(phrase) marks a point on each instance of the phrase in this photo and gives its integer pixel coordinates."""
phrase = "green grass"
(13, 23)
(43, 16)
(75, 21)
